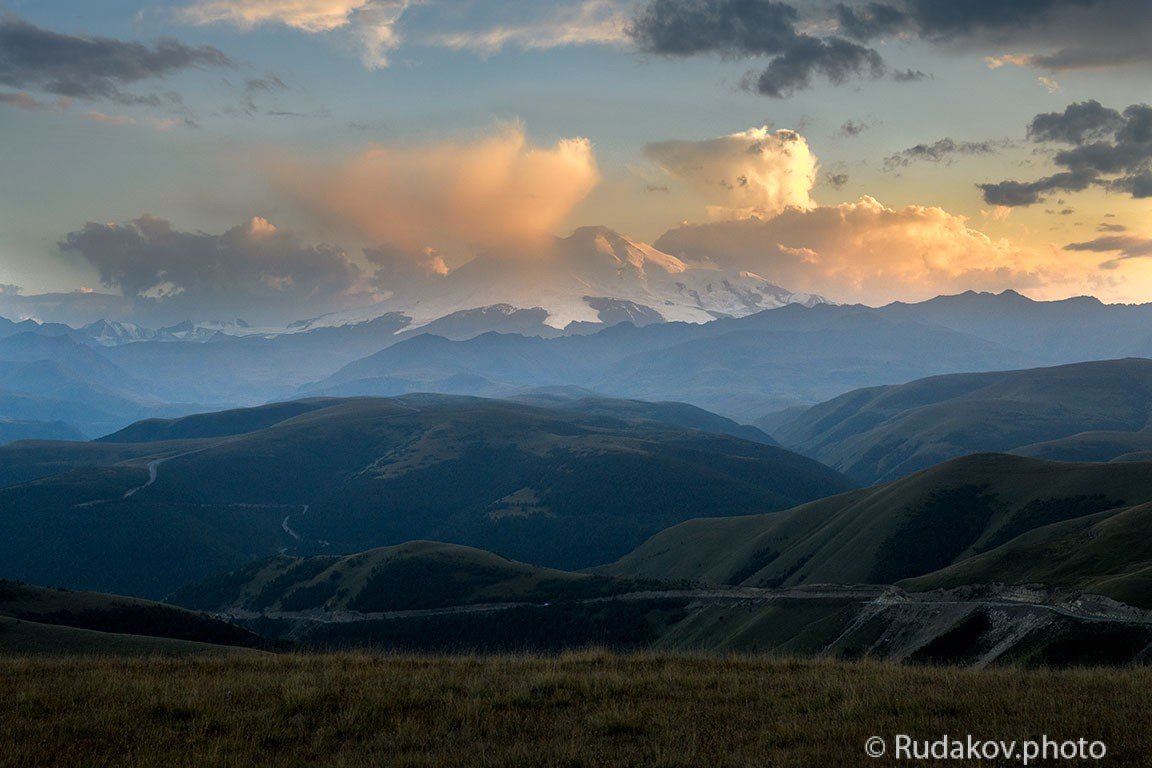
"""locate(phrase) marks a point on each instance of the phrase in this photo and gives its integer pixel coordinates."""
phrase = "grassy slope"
(588, 709)
(116, 614)
(558, 488)
(29, 638)
(884, 433)
(908, 528)
(217, 424)
(1109, 553)
(411, 576)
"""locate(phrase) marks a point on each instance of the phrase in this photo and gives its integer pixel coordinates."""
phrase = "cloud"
(591, 22)
(1125, 246)
(92, 68)
(804, 40)
(1078, 123)
(909, 76)
(837, 180)
(455, 198)
(30, 103)
(851, 128)
(306, 15)
(871, 21)
(862, 251)
(100, 117)
(730, 27)
(1109, 149)
(253, 269)
(939, 151)
(373, 21)
(755, 172)
(854, 251)
(751, 28)
(838, 60)
(269, 83)
(1075, 34)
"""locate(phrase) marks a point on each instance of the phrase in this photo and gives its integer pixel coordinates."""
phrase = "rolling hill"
(545, 485)
(416, 575)
(42, 620)
(980, 519)
(1093, 411)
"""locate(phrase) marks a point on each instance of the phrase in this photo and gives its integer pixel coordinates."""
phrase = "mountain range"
(763, 367)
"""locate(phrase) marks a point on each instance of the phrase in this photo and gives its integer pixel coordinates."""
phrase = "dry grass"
(585, 709)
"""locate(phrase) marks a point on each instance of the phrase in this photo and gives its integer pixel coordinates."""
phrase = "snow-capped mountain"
(594, 276)
(111, 333)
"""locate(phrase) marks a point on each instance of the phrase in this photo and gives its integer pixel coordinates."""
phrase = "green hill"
(39, 619)
(1084, 412)
(413, 576)
(549, 486)
(980, 519)
(1109, 553)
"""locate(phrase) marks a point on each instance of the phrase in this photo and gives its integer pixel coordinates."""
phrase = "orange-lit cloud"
(865, 251)
(449, 198)
(756, 172)
(861, 251)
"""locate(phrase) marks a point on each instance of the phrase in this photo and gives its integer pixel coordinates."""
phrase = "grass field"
(586, 709)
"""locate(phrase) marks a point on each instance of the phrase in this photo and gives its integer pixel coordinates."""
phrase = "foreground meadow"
(582, 709)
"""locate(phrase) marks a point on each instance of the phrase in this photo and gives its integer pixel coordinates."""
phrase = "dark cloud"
(939, 151)
(1109, 149)
(1112, 228)
(836, 59)
(251, 269)
(1078, 123)
(870, 21)
(837, 180)
(909, 76)
(91, 67)
(852, 128)
(1018, 193)
(1125, 246)
(1069, 34)
(1085, 34)
(947, 20)
(1092, 58)
(1138, 185)
(751, 28)
(732, 27)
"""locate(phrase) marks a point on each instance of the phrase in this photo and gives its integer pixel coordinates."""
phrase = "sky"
(212, 155)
